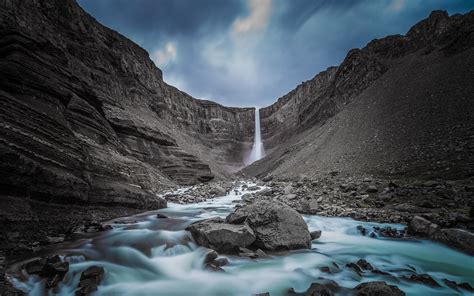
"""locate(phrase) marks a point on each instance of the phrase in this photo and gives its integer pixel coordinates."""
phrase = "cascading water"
(257, 148)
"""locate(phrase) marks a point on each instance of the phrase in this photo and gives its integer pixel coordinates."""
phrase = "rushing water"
(257, 149)
(157, 257)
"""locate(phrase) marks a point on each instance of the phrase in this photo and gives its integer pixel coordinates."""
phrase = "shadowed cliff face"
(402, 105)
(86, 116)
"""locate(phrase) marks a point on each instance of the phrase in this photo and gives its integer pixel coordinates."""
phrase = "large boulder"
(276, 225)
(458, 238)
(220, 236)
(377, 289)
(421, 226)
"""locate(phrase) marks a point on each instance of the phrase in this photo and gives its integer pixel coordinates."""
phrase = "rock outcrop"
(86, 117)
(401, 106)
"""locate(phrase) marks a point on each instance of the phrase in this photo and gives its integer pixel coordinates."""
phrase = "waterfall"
(257, 148)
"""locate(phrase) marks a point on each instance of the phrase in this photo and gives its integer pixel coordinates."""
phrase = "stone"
(329, 288)
(90, 280)
(210, 256)
(51, 268)
(423, 279)
(364, 265)
(219, 262)
(161, 216)
(220, 236)
(315, 234)
(276, 225)
(377, 289)
(420, 226)
(458, 238)
(372, 189)
(217, 190)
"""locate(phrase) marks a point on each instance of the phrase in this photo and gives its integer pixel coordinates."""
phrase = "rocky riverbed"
(151, 252)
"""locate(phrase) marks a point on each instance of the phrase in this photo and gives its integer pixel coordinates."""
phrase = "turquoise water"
(157, 257)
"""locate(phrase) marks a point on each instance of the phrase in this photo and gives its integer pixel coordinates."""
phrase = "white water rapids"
(257, 151)
(153, 256)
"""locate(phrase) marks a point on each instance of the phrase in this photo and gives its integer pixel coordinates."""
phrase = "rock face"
(276, 225)
(86, 117)
(357, 119)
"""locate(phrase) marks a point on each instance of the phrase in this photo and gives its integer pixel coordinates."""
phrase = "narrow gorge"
(360, 181)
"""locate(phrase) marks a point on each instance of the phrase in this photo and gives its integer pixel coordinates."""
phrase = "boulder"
(377, 289)
(220, 236)
(217, 190)
(458, 238)
(90, 280)
(421, 226)
(276, 225)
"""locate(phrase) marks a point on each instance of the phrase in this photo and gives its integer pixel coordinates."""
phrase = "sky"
(251, 52)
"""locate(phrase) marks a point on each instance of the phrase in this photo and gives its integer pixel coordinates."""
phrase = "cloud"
(397, 5)
(257, 19)
(247, 53)
(165, 55)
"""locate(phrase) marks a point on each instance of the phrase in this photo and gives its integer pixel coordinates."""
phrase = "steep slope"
(86, 117)
(401, 106)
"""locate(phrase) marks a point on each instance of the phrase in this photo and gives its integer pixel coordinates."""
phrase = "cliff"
(86, 117)
(402, 105)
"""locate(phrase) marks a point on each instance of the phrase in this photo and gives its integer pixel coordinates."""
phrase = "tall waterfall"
(257, 148)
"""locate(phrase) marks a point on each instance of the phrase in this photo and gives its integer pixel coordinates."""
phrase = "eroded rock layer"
(85, 115)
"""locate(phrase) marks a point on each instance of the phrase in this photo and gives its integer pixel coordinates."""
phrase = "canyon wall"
(402, 105)
(86, 117)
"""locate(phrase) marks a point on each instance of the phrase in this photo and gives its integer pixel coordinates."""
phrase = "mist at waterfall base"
(146, 255)
(257, 151)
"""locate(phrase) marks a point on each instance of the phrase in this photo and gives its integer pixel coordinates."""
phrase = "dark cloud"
(253, 67)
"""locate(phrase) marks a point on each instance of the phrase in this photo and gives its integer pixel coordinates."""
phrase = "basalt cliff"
(402, 106)
(86, 117)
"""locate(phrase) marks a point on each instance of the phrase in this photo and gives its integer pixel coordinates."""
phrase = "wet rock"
(364, 265)
(389, 232)
(51, 268)
(315, 234)
(458, 238)
(219, 262)
(212, 267)
(161, 216)
(267, 178)
(276, 225)
(210, 256)
(377, 289)
(423, 279)
(328, 288)
(354, 267)
(362, 230)
(90, 280)
(421, 226)
(220, 236)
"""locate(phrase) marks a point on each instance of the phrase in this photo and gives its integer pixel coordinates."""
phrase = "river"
(153, 256)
